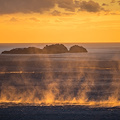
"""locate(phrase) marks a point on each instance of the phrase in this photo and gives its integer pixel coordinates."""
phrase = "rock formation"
(77, 49)
(54, 49)
(48, 49)
(29, 50)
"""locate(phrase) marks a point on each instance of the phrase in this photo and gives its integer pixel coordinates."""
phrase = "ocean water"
(61, 86)
(96, 51)
(91, 47)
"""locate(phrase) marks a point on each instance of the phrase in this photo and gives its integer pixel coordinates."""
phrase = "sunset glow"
(59, 21)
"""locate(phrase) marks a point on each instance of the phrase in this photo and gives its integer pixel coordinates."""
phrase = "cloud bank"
(25, 6)
(40, 6)
(90, 6)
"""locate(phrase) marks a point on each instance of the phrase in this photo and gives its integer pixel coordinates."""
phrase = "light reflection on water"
(90, 79)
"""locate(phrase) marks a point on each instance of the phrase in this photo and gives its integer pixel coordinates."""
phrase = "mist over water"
(89, 79)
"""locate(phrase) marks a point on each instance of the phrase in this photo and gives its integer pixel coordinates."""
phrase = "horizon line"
(68, 43)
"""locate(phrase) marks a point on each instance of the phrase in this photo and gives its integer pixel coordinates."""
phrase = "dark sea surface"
(91, 47)
(65, 86)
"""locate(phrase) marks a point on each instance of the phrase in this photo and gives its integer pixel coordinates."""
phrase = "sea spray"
(61, 82)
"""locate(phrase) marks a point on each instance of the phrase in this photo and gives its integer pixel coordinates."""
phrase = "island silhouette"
(48, 49)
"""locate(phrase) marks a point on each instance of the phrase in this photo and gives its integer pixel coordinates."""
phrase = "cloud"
(40, 6)
(90, 6)
(66, 4)
(34, 19)
(33, 6)
(114, 13)
(104, 4)
(13, 19)
(56, 13)
(70, 5)
(113, 1)
(25, 6)
(118, 2)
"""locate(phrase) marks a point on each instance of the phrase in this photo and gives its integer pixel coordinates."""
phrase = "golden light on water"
(74, 84)
(112, 102)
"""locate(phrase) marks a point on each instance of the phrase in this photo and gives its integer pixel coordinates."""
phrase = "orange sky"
(86, 21)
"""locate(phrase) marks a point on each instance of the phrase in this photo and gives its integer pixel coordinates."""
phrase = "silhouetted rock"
(54, 49)
(29, 50)
(48, 49)
(77, 49)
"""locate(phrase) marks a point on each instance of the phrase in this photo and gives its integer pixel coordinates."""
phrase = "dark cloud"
(33, 6)
(71, 5)
(118, 2)
(90, 6)
(25, 6)
(104, 4)
(77, 2)
(66, 4)
(40, 6)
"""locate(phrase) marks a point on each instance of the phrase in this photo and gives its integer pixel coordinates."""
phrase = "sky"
(59, 21)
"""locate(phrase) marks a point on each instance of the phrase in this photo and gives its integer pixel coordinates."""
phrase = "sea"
(91, 47)
(67, 86)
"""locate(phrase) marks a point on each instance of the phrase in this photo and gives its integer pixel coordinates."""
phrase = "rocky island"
(55, 49)
(48, 49)
(77, 49)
